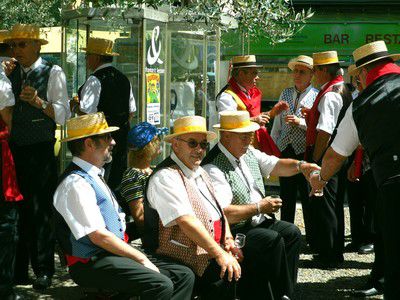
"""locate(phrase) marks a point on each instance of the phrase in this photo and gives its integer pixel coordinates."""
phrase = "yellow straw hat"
(301, 60)
(371, 52)
(190, 124)
(87, 125)
(236, 121)
(325, 58)
(25, 32)
(100, 46)
(4, 34)
(245, 61)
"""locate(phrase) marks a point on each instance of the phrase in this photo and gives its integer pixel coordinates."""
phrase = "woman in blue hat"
(144, 147)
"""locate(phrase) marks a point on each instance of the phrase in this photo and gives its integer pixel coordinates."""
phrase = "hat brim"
(9, 39)
(100, 53)
(107, 130)
(250, 128)
(246, 66)
(292, 64)
(210, 135)
(329, 63)
(392, 56)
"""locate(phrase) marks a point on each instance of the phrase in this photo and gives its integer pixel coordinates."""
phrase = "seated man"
(272, 247)
(183, 218)
(91, 227)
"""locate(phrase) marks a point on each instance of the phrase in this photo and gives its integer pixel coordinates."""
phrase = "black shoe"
(367, 292)
(366, 249)
(352, 247)
(14, 296)
(319, 262)
(42, 282)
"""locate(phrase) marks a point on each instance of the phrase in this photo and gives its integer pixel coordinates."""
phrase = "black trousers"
(37, 178)
(289, 187)
(130, 278)
(389, 199)
(271, 254)
(362, 205)
(8, 242)
(327, 236)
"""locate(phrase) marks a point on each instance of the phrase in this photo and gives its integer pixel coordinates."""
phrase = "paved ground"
(312, 283)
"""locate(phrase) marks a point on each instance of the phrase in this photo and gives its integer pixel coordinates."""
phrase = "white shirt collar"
(36, 64)
(88, 167)
(103, 66)
(188, 172)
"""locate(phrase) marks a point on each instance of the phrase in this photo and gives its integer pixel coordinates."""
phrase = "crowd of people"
(206, 221)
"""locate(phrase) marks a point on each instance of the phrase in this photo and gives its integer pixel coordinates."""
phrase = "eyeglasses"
(193, 144)
(300, 72)
(244, 136)
(21, 44)
(106, 136)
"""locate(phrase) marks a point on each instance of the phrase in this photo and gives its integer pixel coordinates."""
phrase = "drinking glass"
(240, 241)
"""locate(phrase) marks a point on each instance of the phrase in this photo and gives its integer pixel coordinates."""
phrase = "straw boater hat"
(236, 121)
(325, 58)
(301, 60)
(25, 32)
(100, 46)
(190, 124)
(3, 35)
(371, 52)
(87, 125)
(245, 61)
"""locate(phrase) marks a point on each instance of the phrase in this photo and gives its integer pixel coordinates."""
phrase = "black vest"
(30, 125)
(376, 111)
(114, 96)
(151, 218)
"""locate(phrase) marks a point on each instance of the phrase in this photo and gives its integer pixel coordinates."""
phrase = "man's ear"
(89, 143)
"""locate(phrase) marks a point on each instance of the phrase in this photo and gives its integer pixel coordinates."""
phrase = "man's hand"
(9, 65)
(148, 264)
(270, 205)
(317, 185)
(351, 173)
(279, 107)
(228, 263)
(28, 94)
(304, 111)
(261, 119)
(231, 248)
(307, 168)
(292, 120)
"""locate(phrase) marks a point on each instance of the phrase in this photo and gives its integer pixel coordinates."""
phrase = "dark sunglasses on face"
(193, 144)
(106, 136)
(21, 44)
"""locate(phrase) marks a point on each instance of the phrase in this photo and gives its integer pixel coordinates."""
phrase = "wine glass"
(240, 241)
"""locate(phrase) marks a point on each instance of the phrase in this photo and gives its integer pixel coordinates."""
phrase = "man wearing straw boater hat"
(372, 121)
(90, 225)
(241, 93)
(108, 90)
(289, 134)
(327, 221)
(10, 194)
(272, 247)
(40, 92)
(183, 217)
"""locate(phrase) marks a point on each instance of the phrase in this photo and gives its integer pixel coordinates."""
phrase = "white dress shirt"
(76, 201)
(6, 94)
(91, 90)
(226, 101)
(167, 194)
(222, 187)
(346, 140)
(329, 107)
(57, 94)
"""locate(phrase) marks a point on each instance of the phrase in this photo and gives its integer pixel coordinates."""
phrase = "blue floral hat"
(142, 134)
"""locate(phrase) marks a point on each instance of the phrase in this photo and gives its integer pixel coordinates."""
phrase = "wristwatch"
(44, 105)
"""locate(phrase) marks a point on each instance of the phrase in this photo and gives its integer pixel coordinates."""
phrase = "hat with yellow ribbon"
(236, 121)
(87, 125)
(4, 34)
(325, 58)
(100, 46)
(190, 124)
(25, 32)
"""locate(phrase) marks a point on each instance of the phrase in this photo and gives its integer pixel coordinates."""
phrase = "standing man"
(372, 121)
(289, 134)
(108, 90)
(91, 226)
(183, 217)
(327, 217)
(241, 93)
(40, 93)
(272, 247)
(10, 193)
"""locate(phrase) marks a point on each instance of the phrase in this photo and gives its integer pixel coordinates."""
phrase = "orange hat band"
(188, 129)
(87, 131)
(330, 60)
(235, 125)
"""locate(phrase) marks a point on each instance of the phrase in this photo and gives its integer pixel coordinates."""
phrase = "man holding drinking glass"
(271, 252)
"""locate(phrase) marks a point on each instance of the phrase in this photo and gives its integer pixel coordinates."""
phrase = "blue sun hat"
(142, 134)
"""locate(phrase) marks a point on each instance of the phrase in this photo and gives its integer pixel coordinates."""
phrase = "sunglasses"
(21, 44)
(193, 144)
(106, 136)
